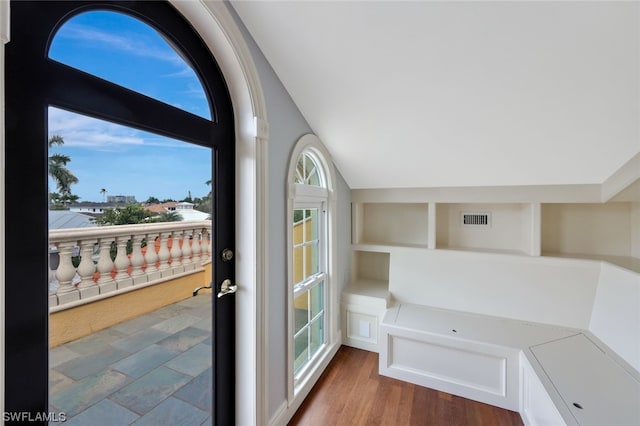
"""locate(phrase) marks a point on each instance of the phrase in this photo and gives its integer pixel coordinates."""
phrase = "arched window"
(310, 228)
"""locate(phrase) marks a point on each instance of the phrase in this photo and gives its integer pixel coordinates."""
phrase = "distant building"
(91, 208)
(187, 212)
(184, 209)
(122, 199)
(169, 206)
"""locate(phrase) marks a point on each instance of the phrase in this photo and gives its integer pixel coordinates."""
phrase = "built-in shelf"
(487, 250)
(494, 227)
(370, 266)
(393, 224)
(608, 232)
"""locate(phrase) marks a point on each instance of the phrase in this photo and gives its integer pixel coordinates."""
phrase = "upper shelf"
(394, 224)
(596, 231)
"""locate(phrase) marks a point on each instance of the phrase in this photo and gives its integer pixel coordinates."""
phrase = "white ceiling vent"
(476, 219)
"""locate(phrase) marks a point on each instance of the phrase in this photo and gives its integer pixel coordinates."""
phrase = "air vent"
(476, 219)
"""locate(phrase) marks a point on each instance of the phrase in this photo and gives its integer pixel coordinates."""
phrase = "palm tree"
(58, 168)
(103, 191)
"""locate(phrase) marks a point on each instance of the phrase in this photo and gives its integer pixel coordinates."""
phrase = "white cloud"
(134, 44)
(86, 132)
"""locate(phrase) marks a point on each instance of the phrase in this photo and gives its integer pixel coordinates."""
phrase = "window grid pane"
(306, 244)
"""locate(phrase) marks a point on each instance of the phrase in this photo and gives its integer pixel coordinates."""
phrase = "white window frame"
(302, 196)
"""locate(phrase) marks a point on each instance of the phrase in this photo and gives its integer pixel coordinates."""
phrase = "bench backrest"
(616, 312)
(545, 290)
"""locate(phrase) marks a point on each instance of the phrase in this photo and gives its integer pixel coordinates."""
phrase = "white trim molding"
(623, 178)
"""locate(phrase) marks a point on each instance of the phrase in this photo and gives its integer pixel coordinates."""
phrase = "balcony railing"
(95, 263)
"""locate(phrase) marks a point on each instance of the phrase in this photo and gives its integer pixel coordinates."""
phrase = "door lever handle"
(227, 288)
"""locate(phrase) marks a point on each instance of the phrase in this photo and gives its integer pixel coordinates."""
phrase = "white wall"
(616, 312)
(546, 290)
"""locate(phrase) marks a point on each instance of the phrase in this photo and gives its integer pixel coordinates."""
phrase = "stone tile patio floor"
(151, 370)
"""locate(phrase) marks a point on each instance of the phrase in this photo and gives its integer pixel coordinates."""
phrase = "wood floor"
(350, 392)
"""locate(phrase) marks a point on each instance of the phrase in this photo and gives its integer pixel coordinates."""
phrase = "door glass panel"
(104, 174)
(126, 51)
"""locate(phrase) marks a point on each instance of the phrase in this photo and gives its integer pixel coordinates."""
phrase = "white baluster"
(65, 273)
(186, 249)
(86, 269)
(137, 259)
(151, 257)
(105, 265)
(121, 262)
(176, 252)
(163, 253)
(209, 247)
(195, 247)
(204, 246)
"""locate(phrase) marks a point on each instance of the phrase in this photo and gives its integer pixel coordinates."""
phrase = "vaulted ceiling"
(428, 94)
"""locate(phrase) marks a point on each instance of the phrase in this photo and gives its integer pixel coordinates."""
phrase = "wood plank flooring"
(351, 392)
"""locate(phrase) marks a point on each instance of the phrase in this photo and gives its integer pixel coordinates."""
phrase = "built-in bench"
(551, 375)
(556, 339)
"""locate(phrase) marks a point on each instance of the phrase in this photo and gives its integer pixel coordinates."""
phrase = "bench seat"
(537, 369)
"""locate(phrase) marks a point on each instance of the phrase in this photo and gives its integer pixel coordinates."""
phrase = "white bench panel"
(583, 374)
(536, 407)
(449, 367)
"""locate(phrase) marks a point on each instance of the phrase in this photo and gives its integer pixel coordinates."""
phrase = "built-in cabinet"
(365, 299)
(605, 231)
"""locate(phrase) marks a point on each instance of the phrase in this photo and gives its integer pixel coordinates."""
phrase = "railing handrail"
(73, 234)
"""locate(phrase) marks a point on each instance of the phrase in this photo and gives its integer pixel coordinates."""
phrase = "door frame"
(220, 32)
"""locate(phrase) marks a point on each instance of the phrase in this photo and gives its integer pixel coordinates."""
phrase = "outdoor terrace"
(129, 343)
(151, 370)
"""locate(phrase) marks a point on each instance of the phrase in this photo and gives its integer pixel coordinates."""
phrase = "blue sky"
(123, 160)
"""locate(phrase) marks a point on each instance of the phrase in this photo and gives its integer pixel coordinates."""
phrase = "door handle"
(227, 288)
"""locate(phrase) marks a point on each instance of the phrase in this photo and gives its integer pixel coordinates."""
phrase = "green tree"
(129, 214)
(58, 170)
(152, 200)
(204, 204)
